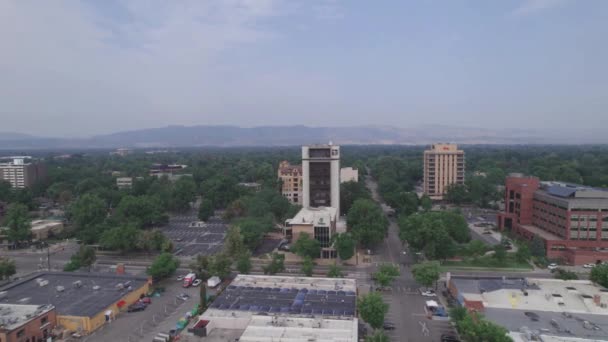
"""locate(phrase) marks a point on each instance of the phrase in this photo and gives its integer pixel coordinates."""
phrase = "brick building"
(291, 181)
(571, 219)
(32, 323)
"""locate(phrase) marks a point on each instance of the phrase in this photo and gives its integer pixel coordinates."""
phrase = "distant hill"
(193, 136)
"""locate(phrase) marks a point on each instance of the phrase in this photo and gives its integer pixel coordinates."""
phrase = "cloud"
(534, 6)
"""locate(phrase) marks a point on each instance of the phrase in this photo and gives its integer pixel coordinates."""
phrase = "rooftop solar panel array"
(287, 301)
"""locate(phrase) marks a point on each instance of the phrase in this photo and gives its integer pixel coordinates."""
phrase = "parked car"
(428, 293)
(552, 266)
(180, 278)
(136, 307)
(589, 265)
(285, 248)
(487, 231)
(388, 325)
(197, 282)
(183, 296)
(449, 338)
(146, 300)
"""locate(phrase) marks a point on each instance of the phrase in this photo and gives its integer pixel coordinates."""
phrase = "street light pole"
(48, 256)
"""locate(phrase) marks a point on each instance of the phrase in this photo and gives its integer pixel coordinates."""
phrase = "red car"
(146, 300)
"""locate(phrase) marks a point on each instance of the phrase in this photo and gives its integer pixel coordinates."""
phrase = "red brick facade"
(575, 235)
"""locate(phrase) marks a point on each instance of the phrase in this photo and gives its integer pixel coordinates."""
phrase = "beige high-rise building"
(22, 174)
(291, 181)
(443, 165)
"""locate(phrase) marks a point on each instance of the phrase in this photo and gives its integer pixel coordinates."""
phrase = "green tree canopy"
(243, 262)
(426, 203)
(7, 268)
(500, 254)
(18, 223)
(84, 257)
(163, 266)
(345, 246)
(233, 245)
(143, 211)
(183, 193)
(88, 210)
(476, 248)
(306, 246)
(537, 247)
(523, 253)
(205, 210)
(599, 275)
(277, 264)
(350, 192)
(378, 336)
(120, 238)
(367, 222)
(373, 309)
(426, 273)
(307, 266)
(386, 274)
(334, 271)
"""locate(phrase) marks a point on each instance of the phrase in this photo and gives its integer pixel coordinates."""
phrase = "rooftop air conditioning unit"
(96, 288)
(43, 283)
(77, 284)
(60, 288)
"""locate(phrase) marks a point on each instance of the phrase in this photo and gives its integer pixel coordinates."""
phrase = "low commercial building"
(20, 322)
(289, 309)
(320, 223)
(166, 169)
(42, 229)
(83, 301)
(291, 181)
(348, 174)
(530, 306)
(571, 219)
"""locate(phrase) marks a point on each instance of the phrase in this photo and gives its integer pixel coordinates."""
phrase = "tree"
(152, 240)
(345, 246)
(537, 247)
(599, 274)
(201, 266)
(87, 210)
(378, 336)
(500, 254)
(7, 268)
(473, 328)
(305, 246)
(564, 274)
(476, 248)
(18, 223)
(84, 257)
(426, 203)
(120, 238)
(205, 210)
(219, 265)
(350, 192)
(407, 203)
(456, 194)
(386, 274)
(183, 193)
(233, 245)
(426, 273)
(243, 262)
(307, 266)
(6, 191)
(427, 232)
(372, 309)
(523, 253)
(252, 230)
(142, 211)
(163, 266)
(277, 264)
(334, 271)
(367, 222)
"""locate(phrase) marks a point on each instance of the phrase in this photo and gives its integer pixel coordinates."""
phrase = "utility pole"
(48, 256)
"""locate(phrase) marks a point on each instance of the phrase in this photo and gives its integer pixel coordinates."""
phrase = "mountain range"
(227, 136)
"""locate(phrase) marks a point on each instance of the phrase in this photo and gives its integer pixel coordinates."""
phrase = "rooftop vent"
(77, 284)
(96, 288)
(60, 288)
(43, 283)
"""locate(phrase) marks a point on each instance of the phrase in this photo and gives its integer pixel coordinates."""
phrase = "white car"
(197, 282)
(552, 266)
(589, 265)
(428, 293)
(180, 278)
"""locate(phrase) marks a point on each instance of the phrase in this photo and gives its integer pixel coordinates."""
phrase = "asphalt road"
(406, 304)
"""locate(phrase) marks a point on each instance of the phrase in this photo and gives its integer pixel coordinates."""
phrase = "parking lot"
(192, 237)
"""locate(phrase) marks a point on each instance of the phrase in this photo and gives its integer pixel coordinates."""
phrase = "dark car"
(388, 326)
(532, 315)
(136, 307)
(146, 300)
(449, 338)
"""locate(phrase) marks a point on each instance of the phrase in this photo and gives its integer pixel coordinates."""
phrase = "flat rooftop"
(320, 216)
(295, 296)
(298, 329)
(14, 316)
(84, 301)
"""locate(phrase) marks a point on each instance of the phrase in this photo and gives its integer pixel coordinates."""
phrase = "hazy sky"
(77, 68)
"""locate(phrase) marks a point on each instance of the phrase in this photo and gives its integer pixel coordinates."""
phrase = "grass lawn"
(487, 262)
